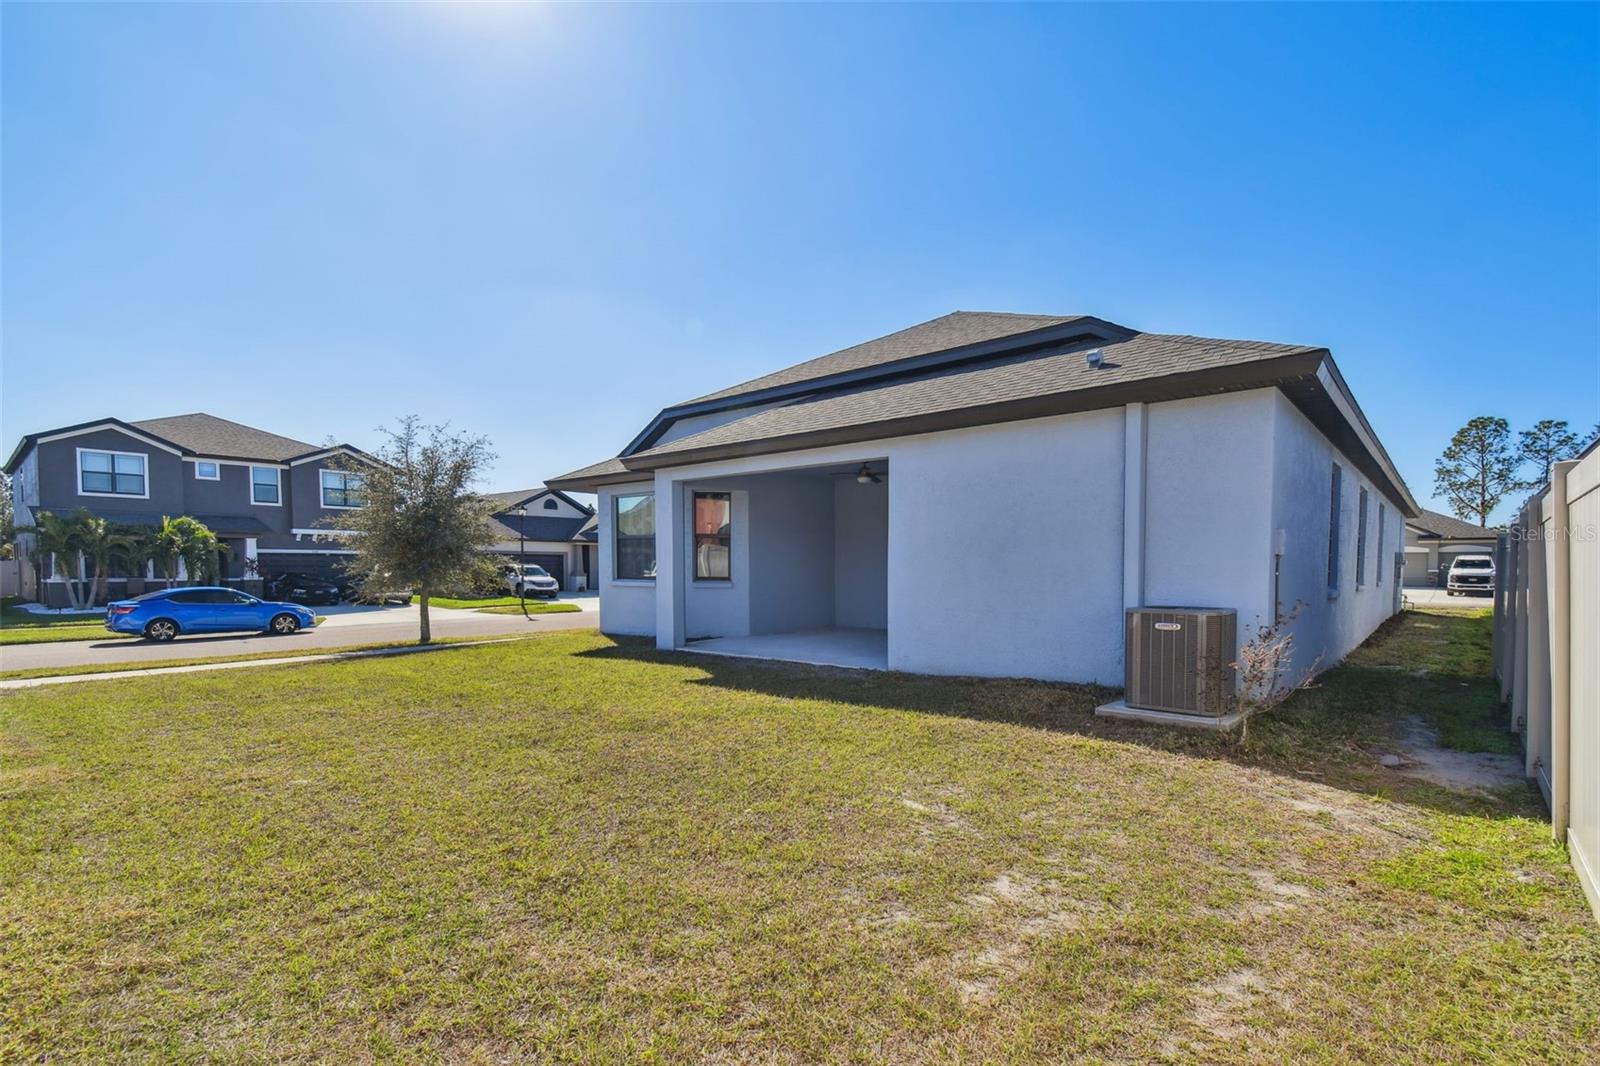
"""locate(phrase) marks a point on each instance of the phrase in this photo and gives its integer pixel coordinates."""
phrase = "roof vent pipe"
(1094, 357)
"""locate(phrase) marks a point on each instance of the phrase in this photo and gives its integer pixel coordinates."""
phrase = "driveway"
(344, 626)
(1436, 597)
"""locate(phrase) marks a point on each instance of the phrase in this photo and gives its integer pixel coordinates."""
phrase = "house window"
(1361, 539)
(1378, 577)
(636, 537)
(341, 489)
(208, 471)
(1333, 534)
(265, 485)
(111, 474)
(713, 544)
(551, 505)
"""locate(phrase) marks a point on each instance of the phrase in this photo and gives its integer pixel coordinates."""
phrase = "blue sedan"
(165, 614)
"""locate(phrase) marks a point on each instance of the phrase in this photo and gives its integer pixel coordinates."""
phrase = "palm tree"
(101, 543)
(183, 540)
(61, 538)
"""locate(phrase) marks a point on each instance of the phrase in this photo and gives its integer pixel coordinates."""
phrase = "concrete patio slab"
(860, 649)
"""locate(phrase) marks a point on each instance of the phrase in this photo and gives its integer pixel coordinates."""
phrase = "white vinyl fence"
(1547, 651)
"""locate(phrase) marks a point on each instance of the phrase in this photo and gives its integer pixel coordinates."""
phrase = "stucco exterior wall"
(860, 554)
(1004, 544)
(1328, 627)
(1208, 538)
(627, 608)
(1029, 583)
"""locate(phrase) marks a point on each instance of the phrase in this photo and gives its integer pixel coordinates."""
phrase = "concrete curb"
(285, 660)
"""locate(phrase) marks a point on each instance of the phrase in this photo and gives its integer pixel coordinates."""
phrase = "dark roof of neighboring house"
(955, 330)
(1003, 368)
(1434, 524)
(504, 501)
(538, 527)
(197, 434)
(206, 434)
(590, 530)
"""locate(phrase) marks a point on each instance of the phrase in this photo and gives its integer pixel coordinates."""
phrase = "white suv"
(530, 579)
(1470, 573)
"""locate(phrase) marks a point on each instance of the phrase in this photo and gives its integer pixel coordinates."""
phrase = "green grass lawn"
(288, 652)
(574, 849)
(534, 607)
(478, 603)
(25, 627)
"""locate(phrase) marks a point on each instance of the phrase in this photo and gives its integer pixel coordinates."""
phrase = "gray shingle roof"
(537, 527)
(955, 330)
(1143, 357)
(1434, 524)
(209, 435)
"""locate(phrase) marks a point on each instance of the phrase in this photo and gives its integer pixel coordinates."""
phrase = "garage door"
(556, 564)
(1416, 569)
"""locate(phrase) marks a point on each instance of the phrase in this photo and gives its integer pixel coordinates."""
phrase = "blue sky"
(544, 223)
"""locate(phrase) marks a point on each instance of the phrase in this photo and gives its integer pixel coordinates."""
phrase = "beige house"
(1433, 540)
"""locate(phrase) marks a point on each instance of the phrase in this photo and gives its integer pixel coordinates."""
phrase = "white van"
(1470, 573)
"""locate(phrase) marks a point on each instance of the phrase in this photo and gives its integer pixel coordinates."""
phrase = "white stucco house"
(986, 494)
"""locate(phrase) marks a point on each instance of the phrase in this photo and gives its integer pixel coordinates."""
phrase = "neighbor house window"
(341, 489)
(713, 512)
(111, 474)
(1333, 533)
(1378, 577)
(208, 471)
(264, 485)
(1361, 540)
(636, 537)
(551, 505)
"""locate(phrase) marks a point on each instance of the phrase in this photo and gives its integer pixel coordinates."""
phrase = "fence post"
(1560, 651)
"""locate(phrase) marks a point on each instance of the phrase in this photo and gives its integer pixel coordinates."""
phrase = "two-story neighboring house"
(270, 499)
(550, 528)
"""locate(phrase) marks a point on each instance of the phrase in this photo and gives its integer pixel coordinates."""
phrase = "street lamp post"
(522, 545)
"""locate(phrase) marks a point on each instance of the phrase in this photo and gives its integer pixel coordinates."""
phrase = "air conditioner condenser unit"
(1180, 659)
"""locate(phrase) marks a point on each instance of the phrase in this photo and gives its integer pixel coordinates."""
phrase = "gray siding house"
(270, 499)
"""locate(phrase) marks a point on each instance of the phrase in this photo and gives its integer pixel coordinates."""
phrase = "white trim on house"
(278, 470)
(141, 456)
(322, 532)
(322, 489)
(304, 551)
(101, 426)
(232, 462)
(212, 463)
(337, 450)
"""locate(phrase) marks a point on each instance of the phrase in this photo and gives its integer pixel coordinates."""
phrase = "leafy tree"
(421, 526)
(1478, 469)
(1546, 444)
(62, 537)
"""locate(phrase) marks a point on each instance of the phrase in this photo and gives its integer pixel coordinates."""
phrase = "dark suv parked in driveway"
(304, 588)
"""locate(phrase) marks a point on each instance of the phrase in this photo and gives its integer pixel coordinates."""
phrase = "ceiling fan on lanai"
(864, 476)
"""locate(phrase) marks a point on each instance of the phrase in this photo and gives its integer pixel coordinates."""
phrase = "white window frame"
(216, 470)
(322, 489)
(277, 472)
(141, 456)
